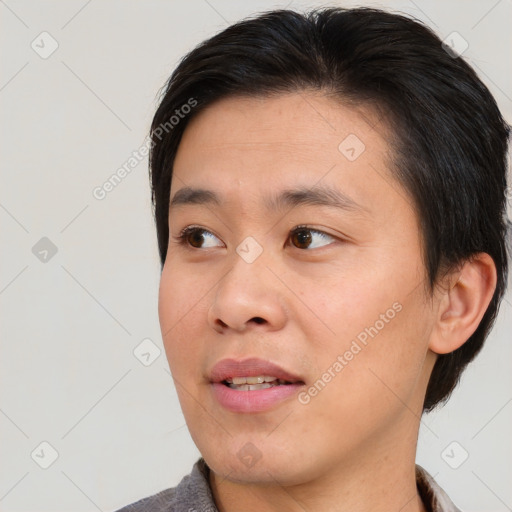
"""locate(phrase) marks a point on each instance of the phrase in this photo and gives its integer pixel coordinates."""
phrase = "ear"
(463, 301)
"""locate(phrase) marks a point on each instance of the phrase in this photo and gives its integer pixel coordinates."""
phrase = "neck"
(380, 478)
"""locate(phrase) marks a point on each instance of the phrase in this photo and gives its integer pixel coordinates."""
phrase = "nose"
(248, 296)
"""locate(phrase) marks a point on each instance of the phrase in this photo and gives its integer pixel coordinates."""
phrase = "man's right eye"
(198, 238)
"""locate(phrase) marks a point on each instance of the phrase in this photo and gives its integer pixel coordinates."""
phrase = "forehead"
(250, 144)
(300, 123)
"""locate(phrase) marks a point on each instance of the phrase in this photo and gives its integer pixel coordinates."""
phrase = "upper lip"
(252, 367)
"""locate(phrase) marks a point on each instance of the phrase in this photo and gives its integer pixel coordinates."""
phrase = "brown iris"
(195, 238)
(302, 238)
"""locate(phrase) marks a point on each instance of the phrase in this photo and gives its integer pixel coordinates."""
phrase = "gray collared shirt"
(193, 494)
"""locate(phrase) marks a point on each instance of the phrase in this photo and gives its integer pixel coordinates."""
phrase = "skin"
(352, 446)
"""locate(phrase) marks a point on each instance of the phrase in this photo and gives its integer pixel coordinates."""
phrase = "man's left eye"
(307, 238)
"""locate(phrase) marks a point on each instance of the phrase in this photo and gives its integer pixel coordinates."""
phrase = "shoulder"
(192, 493)
(163, 501)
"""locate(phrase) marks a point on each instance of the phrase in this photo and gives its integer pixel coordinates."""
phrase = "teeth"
(252, 387)
(259, 379)
(254, 383)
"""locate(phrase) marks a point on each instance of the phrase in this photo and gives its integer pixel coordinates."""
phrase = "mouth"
(252, 385)
(251, 372)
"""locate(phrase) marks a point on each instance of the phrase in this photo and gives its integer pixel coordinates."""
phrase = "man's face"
(332, 294)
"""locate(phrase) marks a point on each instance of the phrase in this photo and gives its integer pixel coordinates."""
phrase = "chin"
(247, 464)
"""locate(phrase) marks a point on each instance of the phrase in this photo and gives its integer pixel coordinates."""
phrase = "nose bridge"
(248, 291)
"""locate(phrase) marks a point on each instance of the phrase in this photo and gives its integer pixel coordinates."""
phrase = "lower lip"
(253, 401)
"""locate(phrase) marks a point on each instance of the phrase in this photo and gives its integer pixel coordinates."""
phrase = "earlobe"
(463, 303)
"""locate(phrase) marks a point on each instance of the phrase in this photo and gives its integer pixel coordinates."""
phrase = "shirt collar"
(434, 498)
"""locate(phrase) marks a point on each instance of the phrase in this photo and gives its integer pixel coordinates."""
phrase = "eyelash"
(185, 232)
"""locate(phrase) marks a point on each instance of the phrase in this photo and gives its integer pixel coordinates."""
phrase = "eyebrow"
(301, 196)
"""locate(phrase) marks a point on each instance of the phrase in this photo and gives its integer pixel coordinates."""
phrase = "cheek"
(353, 307)
(381, 329)
(181, 311)
(383, 363)
(182, 292)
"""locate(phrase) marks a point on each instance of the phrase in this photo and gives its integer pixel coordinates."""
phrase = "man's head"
(406, 273)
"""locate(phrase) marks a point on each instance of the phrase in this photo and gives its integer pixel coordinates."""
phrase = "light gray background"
(70, 325)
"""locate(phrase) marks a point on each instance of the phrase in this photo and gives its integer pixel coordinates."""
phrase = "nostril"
(221, 325)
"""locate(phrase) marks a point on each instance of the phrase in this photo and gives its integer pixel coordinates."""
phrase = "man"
(329, 194)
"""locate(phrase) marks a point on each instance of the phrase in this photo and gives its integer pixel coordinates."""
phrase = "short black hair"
(449, 139)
